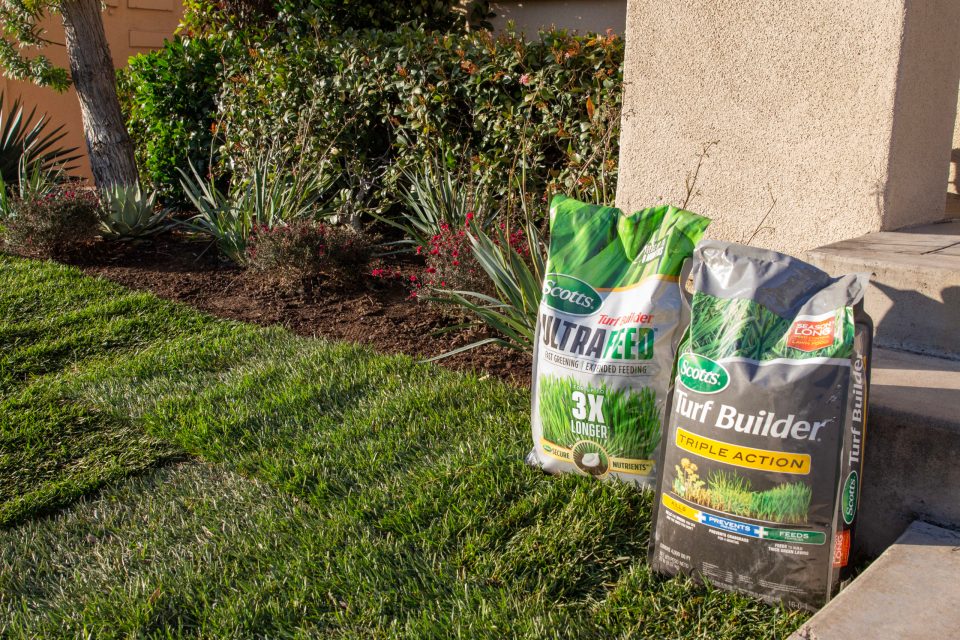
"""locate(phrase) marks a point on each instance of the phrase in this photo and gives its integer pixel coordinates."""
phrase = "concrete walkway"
(912, 592)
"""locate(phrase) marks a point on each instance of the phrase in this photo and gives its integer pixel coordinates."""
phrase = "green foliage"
(130, 212)
(271, 194)
(298, 18)
(169, 100)
(384, 101)
(20, 30)
(26, 140)
(517, 277)
(51, 223)
(433, 196)
(332, 491)
(728, 491)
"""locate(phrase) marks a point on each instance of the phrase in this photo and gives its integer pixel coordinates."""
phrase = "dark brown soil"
(365, 310)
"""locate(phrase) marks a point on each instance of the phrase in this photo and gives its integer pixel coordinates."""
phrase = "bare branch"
(691, 179)
(760, 227)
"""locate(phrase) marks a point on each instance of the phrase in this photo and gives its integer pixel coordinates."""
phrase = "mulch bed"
(366, 310)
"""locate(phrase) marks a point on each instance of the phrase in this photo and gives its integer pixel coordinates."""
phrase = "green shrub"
(52, 224)
(299, 17)
(170, 102)
(381, 102)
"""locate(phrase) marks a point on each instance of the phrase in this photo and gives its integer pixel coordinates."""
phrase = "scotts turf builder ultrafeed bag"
(606, 337)
(763, 447)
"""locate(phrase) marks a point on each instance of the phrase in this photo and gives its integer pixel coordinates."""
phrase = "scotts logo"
(570, 295)
(701, 374)
(848, 500)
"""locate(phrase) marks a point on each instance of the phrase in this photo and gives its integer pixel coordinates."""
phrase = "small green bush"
(53, 224)
(170, 101)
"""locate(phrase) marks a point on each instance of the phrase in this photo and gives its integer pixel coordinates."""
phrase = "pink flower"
(525, 79)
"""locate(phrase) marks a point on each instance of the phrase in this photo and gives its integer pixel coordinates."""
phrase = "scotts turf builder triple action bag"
(610, 320)
(763, 448)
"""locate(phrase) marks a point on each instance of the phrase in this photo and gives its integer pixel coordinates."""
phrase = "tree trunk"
(108, 143)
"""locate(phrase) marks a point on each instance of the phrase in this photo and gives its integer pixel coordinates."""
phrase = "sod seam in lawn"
(413, 514)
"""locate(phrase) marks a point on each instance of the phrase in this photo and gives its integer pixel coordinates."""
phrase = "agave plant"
(432, 198)
(31, 183)
(129, 212)
(25, 140)
(268, 197)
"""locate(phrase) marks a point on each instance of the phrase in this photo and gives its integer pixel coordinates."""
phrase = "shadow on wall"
(955, 170)
(916, 322)
(953, 186)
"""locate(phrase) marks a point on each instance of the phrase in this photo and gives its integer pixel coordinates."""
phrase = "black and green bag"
(610, 319)
(763, 449)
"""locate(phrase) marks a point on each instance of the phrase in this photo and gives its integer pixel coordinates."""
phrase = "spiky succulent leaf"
(129, 212)
(28, 140)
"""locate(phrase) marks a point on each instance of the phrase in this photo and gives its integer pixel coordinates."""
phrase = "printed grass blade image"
(631, 417)
(602, 246)
(726, 327)
(729, 492)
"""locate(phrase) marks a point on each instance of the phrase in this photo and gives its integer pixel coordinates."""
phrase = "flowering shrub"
(54, 223)
(452, 265)
(302, 252)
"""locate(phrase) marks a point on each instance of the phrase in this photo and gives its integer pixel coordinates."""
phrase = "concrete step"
(914, 295)
(911, 449)
(911, 592)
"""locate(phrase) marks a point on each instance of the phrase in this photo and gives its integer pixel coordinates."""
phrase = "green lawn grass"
(341, 492)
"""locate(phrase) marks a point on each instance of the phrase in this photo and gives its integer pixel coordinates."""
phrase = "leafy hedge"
(371, 103)
(170, 101)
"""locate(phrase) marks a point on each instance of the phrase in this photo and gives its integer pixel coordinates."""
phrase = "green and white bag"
(610, 319)
(763, 449)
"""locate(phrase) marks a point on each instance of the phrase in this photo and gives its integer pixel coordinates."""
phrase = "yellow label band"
(675, 505)
(779, 461)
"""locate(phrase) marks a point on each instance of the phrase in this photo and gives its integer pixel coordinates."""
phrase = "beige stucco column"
(838, 115)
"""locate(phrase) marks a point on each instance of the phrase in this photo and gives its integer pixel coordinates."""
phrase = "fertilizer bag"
(762, 455)
(609, 322)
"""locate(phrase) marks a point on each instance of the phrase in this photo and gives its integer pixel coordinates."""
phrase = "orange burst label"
(841, 548)
(812, 333)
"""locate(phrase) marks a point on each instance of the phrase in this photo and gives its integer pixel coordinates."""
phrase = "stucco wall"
(814, 105)
(132, 27)
(580, 15)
